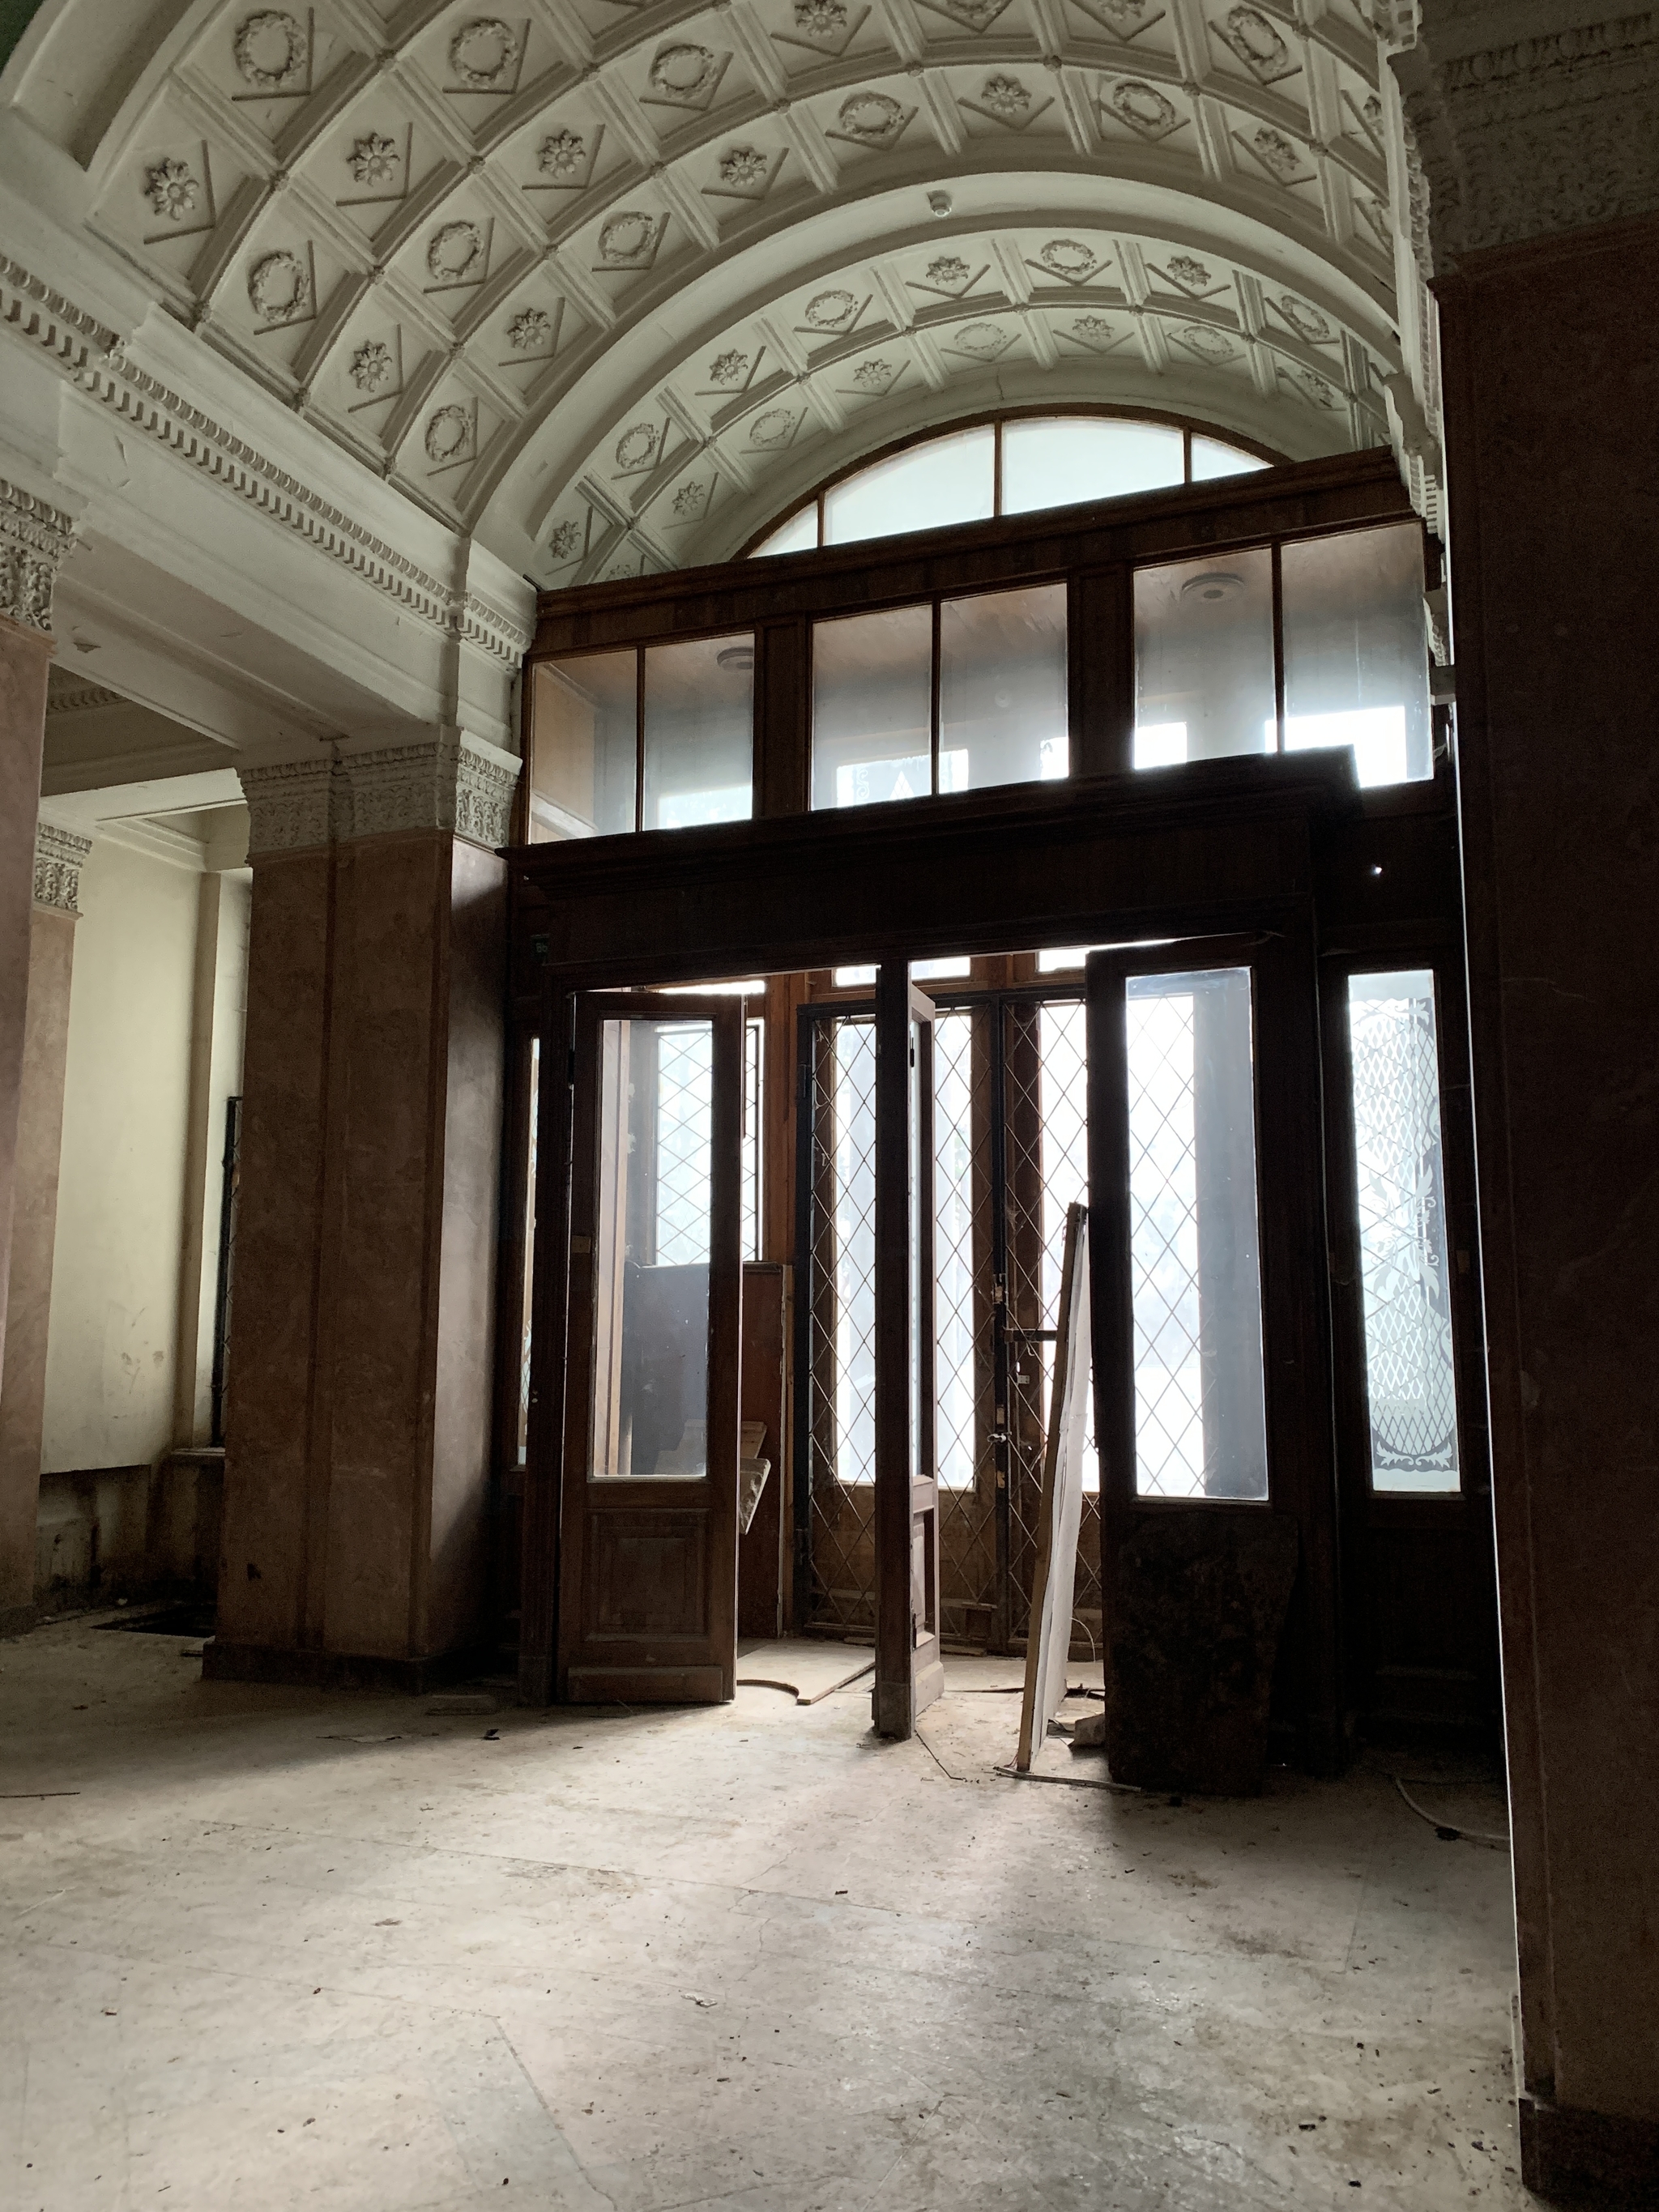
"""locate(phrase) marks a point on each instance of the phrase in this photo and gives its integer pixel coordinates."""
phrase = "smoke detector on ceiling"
(1214, 586)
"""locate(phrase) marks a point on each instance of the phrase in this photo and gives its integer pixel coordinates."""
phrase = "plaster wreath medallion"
(626, 236)
(772, 428)
(983, 340)
(374, 160)
(371, 365)
(447, 434)
(636, 446)
(171, 190)
(1143, 107)
(454, 252)
(870, 116)
(531, 329)
(1307, 322)
(728, 367)
(482, 53)
(828, 311)
(1211, 345)
(1068, 257)
(561, 155)
(1256, 41)
(278, 286)
(270, 49)
(680, 72)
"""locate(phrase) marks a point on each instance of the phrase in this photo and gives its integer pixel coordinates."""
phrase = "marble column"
(58, 856)
(1537, 193)
(34, 538)
(359, 1415)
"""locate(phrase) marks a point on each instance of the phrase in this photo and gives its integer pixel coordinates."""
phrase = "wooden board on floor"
(1050, 1645)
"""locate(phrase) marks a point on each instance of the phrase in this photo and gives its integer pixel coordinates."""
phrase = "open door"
(909, 1663)
(648, 1562)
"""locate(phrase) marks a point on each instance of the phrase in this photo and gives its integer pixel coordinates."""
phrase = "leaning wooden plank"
(1049, 1644)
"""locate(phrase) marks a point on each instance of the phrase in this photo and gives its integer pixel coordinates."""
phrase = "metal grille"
(685, 1108)
(1164, 1247)
(1402, 1233)
(840, 1121)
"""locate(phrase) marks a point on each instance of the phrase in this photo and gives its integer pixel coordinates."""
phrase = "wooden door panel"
(648, 1569)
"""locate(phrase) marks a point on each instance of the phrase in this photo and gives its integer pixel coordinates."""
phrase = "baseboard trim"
(1577, 2157)
(342, 1670)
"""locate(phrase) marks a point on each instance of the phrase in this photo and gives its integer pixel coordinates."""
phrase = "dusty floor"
(280, 1949)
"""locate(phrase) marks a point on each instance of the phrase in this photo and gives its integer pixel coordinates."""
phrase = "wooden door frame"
(1295, 1307)
(714, 1494)
(910, 1674)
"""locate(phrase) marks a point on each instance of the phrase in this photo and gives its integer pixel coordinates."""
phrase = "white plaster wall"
(225, 1020)
(113, 1329)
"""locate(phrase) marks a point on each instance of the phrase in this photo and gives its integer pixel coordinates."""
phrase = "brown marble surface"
(34, 1228)
(1552, 405)
(25, 658)
(359, 1398)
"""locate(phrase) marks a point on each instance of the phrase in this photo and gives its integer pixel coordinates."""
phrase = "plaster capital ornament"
(290, 805)
(58, 857)
(445, 781)
(1527, 139)
(35, 540)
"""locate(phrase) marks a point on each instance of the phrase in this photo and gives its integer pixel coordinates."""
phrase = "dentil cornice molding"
(1528, 138)
(449, 781)
(35, 540)
(58, 857)
(93, 359)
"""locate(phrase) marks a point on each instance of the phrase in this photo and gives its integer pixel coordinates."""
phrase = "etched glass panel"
(1409, 1374)
(652, 1249)
(584, 725)
(699, 731)
(1200, 1411)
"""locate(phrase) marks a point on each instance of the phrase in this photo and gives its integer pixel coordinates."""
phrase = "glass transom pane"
(1356, 651)
(949, 479)
(1061, 460)
(1002, 687)
(1204, 660)
(873, 682)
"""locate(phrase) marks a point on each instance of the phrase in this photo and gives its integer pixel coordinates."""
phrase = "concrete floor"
(286, 1949)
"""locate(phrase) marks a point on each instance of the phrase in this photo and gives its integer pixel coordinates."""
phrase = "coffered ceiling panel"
(610, 284)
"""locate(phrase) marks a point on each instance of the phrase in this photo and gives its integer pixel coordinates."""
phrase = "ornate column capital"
(35, 540)
(449, 781)
(289, 803)
(60, 855)
(1511, 139)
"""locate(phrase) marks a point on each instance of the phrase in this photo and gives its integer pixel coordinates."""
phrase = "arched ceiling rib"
(610, 283)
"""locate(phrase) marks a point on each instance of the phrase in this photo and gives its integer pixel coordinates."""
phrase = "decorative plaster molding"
(290, 805)
(92, 356)
(442, 782)
(35, 540)
(77, 695)
(1530, 140)
(59, 858)
(445, 781)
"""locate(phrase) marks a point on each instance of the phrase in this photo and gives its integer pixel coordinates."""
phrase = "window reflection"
(1204, 660)
(699, 732)
(1356, 655)
(872, 708)
(1002, 687)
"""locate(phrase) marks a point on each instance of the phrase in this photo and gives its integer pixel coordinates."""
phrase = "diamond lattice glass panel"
(1002, 686)
(1064, 1059)
(1204, 660)
(699, 731)
(651, 1250)
(583, 726)
(840, 1295)
(1058, 461)
(1199, 1414)
(1356, 657)
(1409, 1373)
(953, 1154)
(855, 1251)
(873, 681)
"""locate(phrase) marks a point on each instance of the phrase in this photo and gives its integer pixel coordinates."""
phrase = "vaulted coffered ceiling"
(610, 283)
